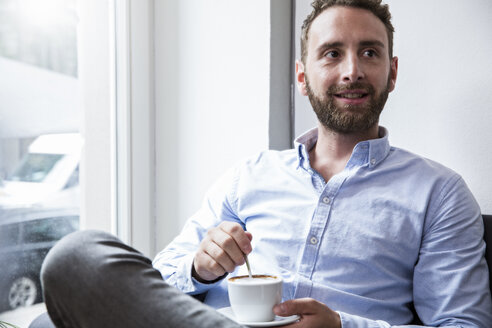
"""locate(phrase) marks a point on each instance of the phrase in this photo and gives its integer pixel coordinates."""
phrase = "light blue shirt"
(391, 230)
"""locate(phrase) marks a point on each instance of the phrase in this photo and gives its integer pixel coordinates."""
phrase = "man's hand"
(313, 313)
(221, 251)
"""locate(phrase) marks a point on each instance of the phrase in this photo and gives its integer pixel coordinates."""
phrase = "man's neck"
(333, 150)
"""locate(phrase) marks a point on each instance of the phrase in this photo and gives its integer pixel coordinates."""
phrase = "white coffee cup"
(253, 299)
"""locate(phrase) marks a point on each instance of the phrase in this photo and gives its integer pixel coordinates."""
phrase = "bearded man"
(363, 234)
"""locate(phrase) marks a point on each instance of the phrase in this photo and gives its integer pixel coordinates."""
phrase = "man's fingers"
(220, 256)
(240, 237)
(229, 246)
(206, 267)
(298, 306)
(222, 250)
(312, 312)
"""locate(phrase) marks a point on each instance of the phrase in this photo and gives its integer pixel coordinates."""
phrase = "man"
(363, 234)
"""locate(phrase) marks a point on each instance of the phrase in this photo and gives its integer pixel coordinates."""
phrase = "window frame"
(133, 130)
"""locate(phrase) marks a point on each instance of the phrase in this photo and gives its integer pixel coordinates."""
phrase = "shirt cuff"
(194, 286)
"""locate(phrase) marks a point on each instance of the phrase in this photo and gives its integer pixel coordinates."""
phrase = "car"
(26, 236)
(47, 175)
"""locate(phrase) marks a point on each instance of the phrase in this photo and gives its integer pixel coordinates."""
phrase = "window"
(73, 181)
(9, 235)
(49, 229)
(35, 167)
(40, 33)
(40, 144)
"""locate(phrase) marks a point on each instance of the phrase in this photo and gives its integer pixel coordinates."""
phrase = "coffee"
(255, 278)
(253, 299)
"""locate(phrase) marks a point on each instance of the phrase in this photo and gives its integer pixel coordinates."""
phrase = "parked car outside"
(26, 236)
(47, 176)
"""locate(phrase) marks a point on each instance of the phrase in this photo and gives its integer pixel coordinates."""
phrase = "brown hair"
(381, 11)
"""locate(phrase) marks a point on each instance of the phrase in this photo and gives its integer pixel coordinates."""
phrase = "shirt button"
(314, 240)
(326, 200)
(373, 161)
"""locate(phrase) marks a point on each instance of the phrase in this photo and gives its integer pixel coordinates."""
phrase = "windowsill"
(22, 317)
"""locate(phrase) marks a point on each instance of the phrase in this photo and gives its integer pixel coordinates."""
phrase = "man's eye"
(369, 53)
(332, 54)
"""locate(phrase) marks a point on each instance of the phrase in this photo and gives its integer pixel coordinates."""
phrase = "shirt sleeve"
(176, 260)
(451, 282)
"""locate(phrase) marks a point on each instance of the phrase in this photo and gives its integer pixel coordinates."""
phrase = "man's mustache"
(336, 89)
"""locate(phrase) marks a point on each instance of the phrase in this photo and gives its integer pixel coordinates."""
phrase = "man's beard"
(347, 119)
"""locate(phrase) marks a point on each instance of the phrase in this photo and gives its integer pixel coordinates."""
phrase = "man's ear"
(301, 78)
(393, 72)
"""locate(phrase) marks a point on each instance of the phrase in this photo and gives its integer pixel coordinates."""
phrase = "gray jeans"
(92, 279)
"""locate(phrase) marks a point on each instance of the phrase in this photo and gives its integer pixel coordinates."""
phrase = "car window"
(9, 235)
(49, 229)
(35, 167)
(71, 223)
(74, 179)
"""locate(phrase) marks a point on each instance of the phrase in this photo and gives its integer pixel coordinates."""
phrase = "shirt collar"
(303, 144)
(370, 152)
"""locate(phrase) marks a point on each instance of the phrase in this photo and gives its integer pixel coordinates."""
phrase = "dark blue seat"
(487, 222)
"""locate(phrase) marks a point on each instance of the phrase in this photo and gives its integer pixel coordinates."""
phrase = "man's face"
(348, 73)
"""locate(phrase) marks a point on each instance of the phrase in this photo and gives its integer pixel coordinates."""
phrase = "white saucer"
(278, 321)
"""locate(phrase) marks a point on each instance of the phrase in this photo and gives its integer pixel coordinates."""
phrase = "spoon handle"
(247, 265)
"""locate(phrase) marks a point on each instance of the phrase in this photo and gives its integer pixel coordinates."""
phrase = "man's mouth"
(351, 95)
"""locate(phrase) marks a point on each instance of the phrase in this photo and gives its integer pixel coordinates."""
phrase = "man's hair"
(381, 11)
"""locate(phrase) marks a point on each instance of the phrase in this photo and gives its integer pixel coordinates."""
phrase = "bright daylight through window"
(40, 145)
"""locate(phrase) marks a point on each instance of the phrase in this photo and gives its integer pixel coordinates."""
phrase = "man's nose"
(351, 69)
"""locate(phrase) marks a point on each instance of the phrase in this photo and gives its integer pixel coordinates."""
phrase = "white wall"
(304, 118)
(442, 105)
(212, 98)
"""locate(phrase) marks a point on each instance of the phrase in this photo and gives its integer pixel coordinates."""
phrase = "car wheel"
(23, 291)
